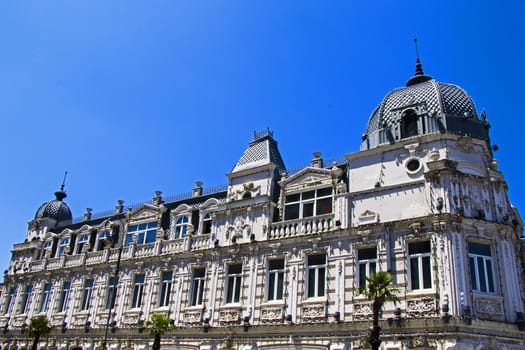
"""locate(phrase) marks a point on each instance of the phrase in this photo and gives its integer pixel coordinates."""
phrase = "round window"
(413, 165)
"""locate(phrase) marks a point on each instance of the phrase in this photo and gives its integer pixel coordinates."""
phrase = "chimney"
(157, 200)
(87, 214)
(119, 207)
(317, 162)
(197, 191)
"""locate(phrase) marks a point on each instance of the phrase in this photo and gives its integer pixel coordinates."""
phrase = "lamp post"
(112, 240)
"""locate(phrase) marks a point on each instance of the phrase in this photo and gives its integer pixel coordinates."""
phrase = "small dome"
(56, 209)
(424, 106)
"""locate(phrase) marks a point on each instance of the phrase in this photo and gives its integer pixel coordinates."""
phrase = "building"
(278, 260)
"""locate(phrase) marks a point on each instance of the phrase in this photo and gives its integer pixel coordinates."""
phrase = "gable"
(308, 177)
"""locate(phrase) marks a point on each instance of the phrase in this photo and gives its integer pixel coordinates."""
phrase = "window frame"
(233, 284)
(369, 265)
(138, 290)
(111, 297)
(165, 288)
(422, 267)
(46, 297)
(303, 204)
(181, 226)
(63, 244)
(101, 240)
(198, 284)
(275, 280)
(64, 296)
(28, 298)
(146, 232)
(475, 270)
(87, 294)
(314, 271)
(207, 222)
(11, 300)
(81, 242)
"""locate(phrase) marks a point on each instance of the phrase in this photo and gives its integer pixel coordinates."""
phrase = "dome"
(56, 209)
(423, 106)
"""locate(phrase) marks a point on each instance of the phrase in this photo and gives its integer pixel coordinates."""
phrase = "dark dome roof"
(56, 209)
(444, 108)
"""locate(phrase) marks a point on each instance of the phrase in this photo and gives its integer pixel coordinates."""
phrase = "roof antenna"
(60, 194)
(419, 66)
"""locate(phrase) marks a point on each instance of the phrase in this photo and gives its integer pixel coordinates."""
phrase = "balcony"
(300, 227)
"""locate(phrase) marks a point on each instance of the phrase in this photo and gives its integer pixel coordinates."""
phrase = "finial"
(420, 76)
(63, 181)
(419, 66)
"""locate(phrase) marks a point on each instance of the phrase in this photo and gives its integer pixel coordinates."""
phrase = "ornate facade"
(278, 260)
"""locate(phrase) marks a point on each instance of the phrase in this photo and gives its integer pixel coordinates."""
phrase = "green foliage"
(378, 288)
(157, 326)
(38, 327)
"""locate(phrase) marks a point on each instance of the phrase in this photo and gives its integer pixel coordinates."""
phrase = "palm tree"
(38, 327)
(157, 326)
(378, 290)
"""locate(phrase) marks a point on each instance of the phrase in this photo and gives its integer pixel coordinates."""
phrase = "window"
(181, 227)
(27, 299)
(82, 241)
(367, 260)
(206, 224)
(86, 295)
(11, 301)
(234, 281)
(275, 279)
(101, 240)
(316, 275)
(419, 261)
(481, 271)
(165, 288)
(145, 233)
(64, 297)
(63, 244)
(110, 293)
(48, 247)
(46, 296)
(409, 126)
(138, 291)
(197, 286)
(307, 204)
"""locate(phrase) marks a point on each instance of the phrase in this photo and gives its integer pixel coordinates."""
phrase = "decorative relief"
(193, 317)
(229, 317)
(314, 313)
(362, 311)
(489, 308)
(131, 318)
(80, 319)
(272, 315)
(421, 307)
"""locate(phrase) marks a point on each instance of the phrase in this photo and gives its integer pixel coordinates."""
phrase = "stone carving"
(229, 317)
(421, 307)
(362, 311)
(314, 313)
(193, 317)
(272, 315)
(489, 309)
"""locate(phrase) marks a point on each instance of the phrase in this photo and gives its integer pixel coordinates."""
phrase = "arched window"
(409, 124)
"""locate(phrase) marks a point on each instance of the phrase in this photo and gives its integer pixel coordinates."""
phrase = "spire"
(60, 194)
(420, 76)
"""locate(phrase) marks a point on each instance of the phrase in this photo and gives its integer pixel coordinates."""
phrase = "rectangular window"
(481, 270)
(46, 296)
(63, 244)
(234, 282)
(275, 279)
(64, 297)
(420, 267)
(11, 301)
(145, 233)
(308, 204)
(27, 299)
(165, 288)
(197, 286)
(181, 227)
(86, 295)
(367, 260)
(138, 291)
(110, 293)
(82, 241)
(101, 240)
(316, 275)
(206, 224)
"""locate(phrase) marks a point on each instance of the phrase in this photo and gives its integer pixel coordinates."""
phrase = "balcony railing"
(300, 227)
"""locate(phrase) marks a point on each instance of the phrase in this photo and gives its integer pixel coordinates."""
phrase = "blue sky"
(135, 96)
